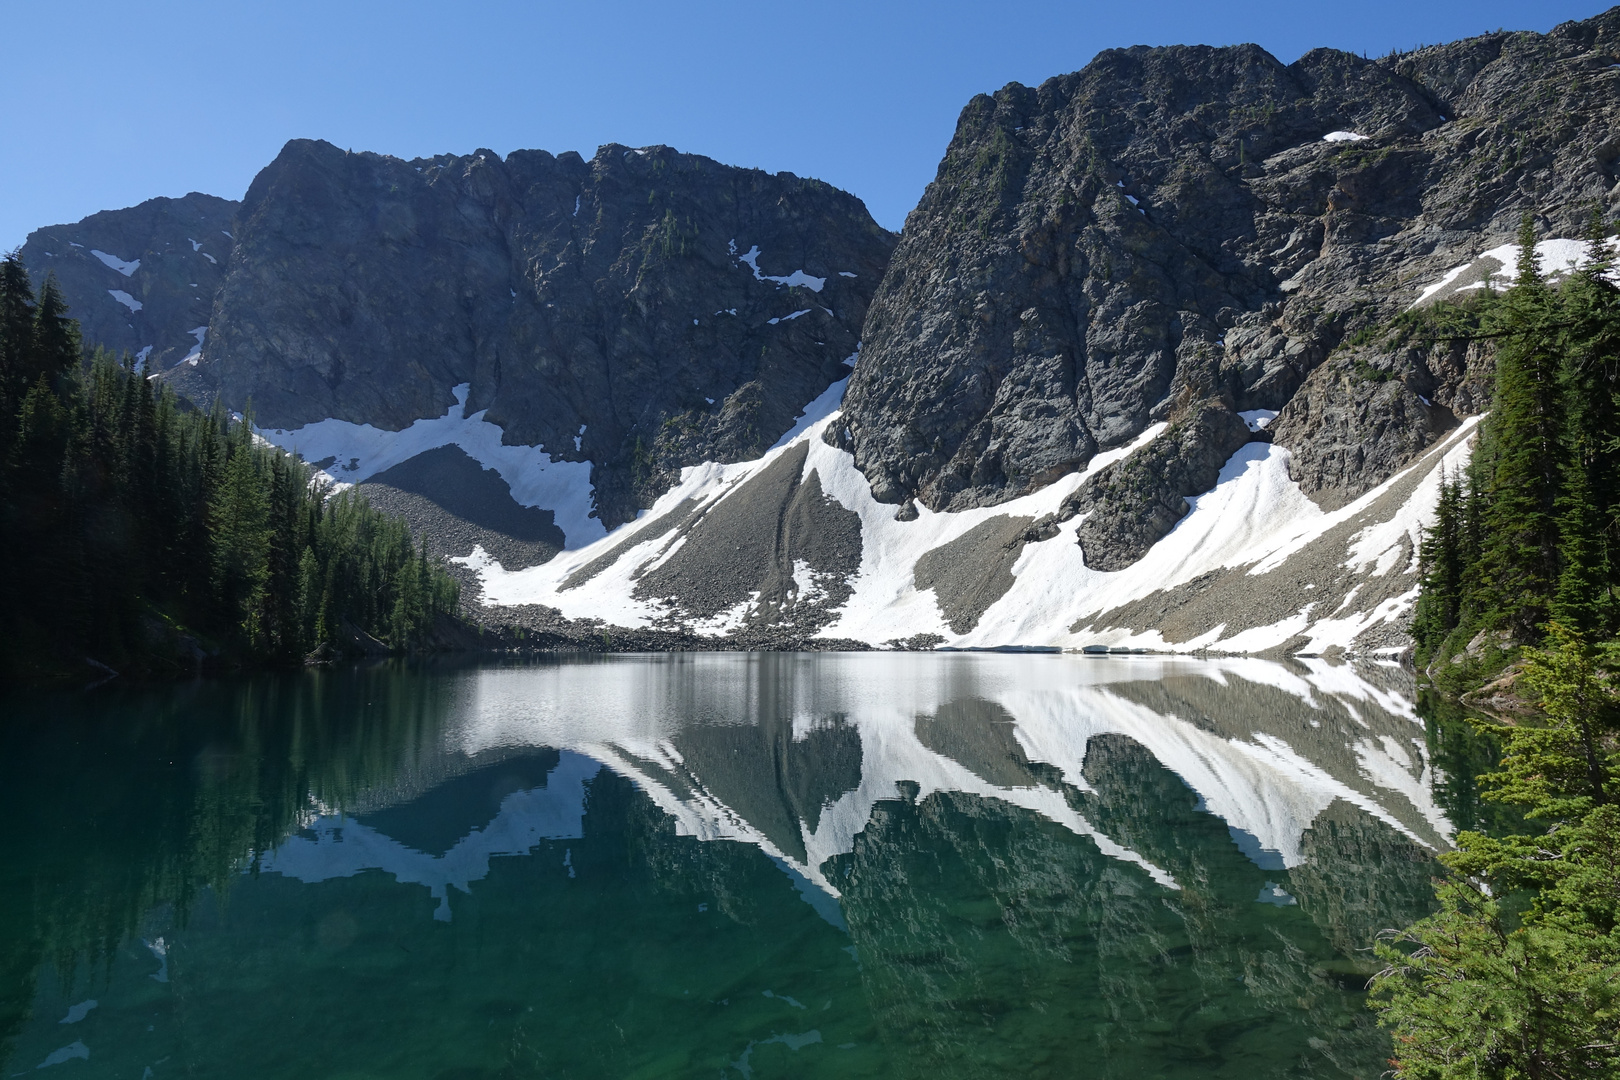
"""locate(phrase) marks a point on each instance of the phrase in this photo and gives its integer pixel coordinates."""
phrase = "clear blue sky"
(113, 103)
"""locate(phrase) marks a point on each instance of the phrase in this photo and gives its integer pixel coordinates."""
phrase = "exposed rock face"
(140, 280)
(1359, 419)
(1171, 224)
(1132, 504)
(643, 310)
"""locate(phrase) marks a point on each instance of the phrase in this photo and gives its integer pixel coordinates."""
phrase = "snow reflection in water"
(1012, 865)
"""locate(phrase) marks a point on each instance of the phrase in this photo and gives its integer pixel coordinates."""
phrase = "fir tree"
(57, 350)
(1519, 557)
(1488, 989)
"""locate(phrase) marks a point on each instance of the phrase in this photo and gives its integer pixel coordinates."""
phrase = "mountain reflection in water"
(713, 864)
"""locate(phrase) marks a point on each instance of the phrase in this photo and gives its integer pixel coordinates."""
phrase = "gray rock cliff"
(141, 280)
(643, 310)
(1169, 229)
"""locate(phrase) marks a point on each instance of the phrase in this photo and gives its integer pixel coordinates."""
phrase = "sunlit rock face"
(142, 280)
(642, 310)
(1172, 227)
(637, 312)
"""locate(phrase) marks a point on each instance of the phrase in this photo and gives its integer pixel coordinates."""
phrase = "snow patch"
(787, 318)
(828, 402)
(360, 451)
(1344, 136)
(1554, 258)
(798, 277)
(1258, 419)
(200, 333)
(115, 263)
(124, 298)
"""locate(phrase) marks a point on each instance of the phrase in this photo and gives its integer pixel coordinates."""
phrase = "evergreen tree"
(1441, 564)
(119, 511)
(57, 350)
(1519, 557)
(16, 341)
(1485, 988)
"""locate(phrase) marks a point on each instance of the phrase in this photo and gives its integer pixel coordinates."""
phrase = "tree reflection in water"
(745, 865)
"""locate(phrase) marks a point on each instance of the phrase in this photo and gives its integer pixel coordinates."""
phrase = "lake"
(717, 865)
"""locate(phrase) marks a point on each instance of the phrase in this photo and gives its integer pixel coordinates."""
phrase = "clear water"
(713, 865)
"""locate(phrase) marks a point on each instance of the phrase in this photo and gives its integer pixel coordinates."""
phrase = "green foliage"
(1365, 372)
(1527, 535)
(126, 516)
(1518, 974)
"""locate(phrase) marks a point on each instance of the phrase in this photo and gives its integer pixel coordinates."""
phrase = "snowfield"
(1255, 517)
(1555, 258)
(1255, 531)
(348, 453)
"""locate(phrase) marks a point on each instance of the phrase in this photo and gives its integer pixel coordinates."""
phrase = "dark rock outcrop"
(643, 310)
(140, 280)
(1358, 420)
(1131, 504)
(1173, 220)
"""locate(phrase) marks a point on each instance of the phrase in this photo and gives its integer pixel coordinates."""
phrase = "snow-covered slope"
(1300, 577)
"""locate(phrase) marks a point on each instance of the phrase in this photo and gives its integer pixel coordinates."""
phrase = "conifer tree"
(119, 511)
(57, 350)
(16, 339)
(1519, 558)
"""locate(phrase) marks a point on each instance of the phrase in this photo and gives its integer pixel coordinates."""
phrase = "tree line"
(138, 531)
(1518, 972)
(1527, 534)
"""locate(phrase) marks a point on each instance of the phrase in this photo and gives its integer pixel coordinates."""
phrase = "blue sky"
(114, 103)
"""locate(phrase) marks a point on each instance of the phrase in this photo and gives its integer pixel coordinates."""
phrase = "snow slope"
(348, 453)
(1555, 258)
(1254, 521)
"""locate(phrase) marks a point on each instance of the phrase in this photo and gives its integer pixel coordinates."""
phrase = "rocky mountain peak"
(1188, 223)
(643, 310)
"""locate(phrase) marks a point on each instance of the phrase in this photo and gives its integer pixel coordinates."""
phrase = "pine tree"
(58, 351)
(239, 520)
(16, 340)
(1441, 563)
(116, 506)
(1485, 989)
(1520, 561)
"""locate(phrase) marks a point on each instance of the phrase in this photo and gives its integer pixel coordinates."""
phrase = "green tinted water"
(742, 866)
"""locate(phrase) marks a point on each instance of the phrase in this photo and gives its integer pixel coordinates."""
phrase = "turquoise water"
(713, 865)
